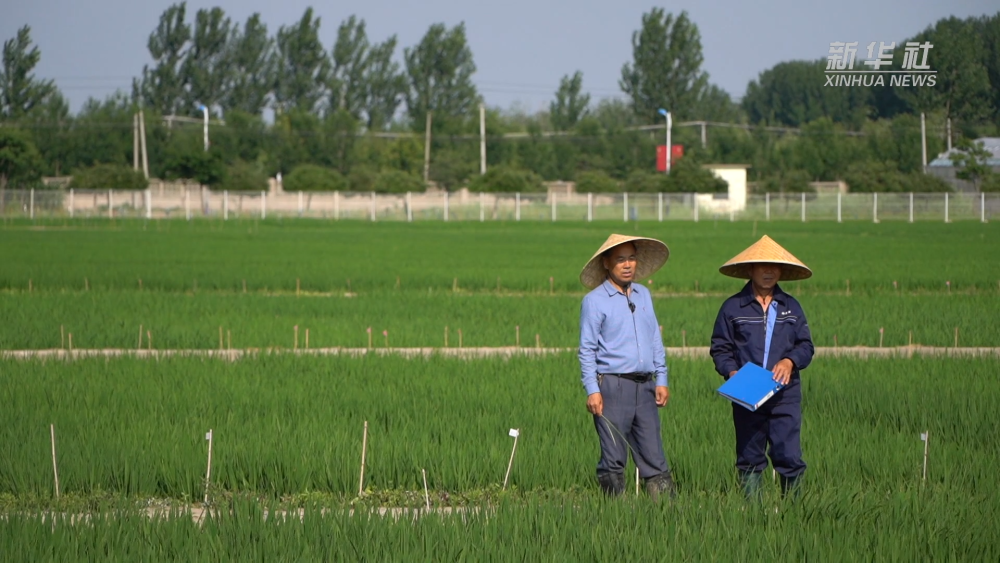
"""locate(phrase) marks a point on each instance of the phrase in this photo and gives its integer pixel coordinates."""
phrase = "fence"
(465, 206)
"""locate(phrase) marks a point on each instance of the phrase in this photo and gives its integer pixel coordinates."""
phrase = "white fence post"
(300, 203)
(590, 207)
(659, 206)
(767, 206)
(911, 207)
(111, 206)
(517, 206)
(409, 208)
(840, 197)
(946, 218)
(694, 198)
(225, 205)
(187, 203)
(803, 207)
(149, 203)
(71, 203)
(371, 208)
(263, 205)
(982, 207)
(31, 204)
(553, 207)
(875, 208)
(336, 205)
(625, 207)
(482, 212)
(446, 205)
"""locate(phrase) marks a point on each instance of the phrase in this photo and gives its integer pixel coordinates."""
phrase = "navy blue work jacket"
(740, 329)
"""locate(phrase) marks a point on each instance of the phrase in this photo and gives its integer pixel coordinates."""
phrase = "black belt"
(636, 376)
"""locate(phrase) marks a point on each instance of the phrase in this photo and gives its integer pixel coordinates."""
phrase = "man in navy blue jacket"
(740, 336)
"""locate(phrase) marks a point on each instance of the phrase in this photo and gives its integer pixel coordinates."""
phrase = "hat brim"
(789, 270)
(650, 256)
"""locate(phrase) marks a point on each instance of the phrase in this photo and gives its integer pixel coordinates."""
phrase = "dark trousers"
(631, 408)
(775, 425)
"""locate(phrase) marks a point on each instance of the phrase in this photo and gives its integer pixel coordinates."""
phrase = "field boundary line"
(862, 352)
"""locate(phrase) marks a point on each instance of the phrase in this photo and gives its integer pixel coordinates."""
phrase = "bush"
(242, 176)
(787, 181)
(990, 184)
(595, 181)
(398, 182)
(924, 183)
(504, 179)
(885, 177)
(641, 181)
(362, 179)
(108, 177)
(687, 176)
(312, 178)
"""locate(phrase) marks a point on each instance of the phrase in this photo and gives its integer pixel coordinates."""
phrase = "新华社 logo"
(878, 69)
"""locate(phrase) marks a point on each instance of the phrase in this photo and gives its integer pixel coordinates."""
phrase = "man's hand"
(595, 404)
(732, 373)
(662, 396)
(783, 371)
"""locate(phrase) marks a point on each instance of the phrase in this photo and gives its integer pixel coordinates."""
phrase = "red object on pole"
(676, 152)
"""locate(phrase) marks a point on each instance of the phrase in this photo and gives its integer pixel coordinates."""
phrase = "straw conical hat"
(650, 255)
(766, 251)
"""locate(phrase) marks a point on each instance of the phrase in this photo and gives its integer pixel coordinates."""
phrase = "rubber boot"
(662, 483)
(791, 486)
(750, 483)
(613, 484)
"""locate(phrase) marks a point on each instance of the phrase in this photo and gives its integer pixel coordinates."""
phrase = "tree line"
(353, 114)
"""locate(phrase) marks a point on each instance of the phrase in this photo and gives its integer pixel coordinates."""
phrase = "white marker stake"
(926, 437)
(364, 450)
(208, 472)
(427, 498)
(55, 469)
(636, 481)
(514, 433)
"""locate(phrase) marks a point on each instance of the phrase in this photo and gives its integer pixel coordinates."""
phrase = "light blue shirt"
(615, 340)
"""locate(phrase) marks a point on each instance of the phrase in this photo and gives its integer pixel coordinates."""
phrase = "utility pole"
(204, 111)
(666, 114)
(923, 139)
(427, 149)
(142, 143)
(482, 139)
(135, 142)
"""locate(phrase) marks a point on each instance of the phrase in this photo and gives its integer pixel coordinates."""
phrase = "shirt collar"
(747, 297)
(612, 290)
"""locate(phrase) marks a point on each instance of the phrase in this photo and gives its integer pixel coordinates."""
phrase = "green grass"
(285, 425)
(100, 319)
(179, 256)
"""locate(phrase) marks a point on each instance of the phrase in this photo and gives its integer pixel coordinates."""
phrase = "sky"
(521, 47)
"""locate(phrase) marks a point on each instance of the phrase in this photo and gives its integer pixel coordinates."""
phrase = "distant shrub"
(312, 178)
(242, 176)
(505, 179)
(398, 182)
(108, 177)
(595, 181)
(787, 181)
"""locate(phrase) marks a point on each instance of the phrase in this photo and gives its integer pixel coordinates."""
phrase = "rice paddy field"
(288, 432)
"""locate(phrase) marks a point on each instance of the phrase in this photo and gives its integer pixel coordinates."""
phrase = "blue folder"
(750, 387)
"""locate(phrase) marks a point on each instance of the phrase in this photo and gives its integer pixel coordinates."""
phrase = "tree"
(163, 86)
(384, 84)
(666, 68)
(301, 66)
(19, 160)
(108, 177)
(20, 91)
(251, 64)
(309, 177)
(570, 105)
(440, 71)
(206, 68)
(350, 56)
(792, 93)
(972, 159)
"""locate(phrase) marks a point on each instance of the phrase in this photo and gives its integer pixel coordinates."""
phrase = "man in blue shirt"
(741, 335)
(623, 363)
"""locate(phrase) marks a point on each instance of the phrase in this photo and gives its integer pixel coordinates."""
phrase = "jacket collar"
(612, 290)
(747, 297)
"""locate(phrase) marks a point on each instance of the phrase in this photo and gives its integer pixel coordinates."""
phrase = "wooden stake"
(911, 338)
(62, 338)
(385, 333)
(139, 347)
(208, 471)
(307, 339)
(220, 337)
(636, 481)
(140, 284)
(454, 284)
(498, 284)
(445, 337)
(55, 468)
(29, 286)
(684, 339)
(834, 340)
(369, 338)
(295, 329)
(70, 335)
(881, 333)
(538, 342)
(229, 340)
(427, 498)
(459, 338)
(926, 436)
(956, 337)
(364, 451)
(517, 336)
(149, 340)
(86, 284)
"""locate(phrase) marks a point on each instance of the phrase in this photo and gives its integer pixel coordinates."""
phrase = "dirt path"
(862, 352)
